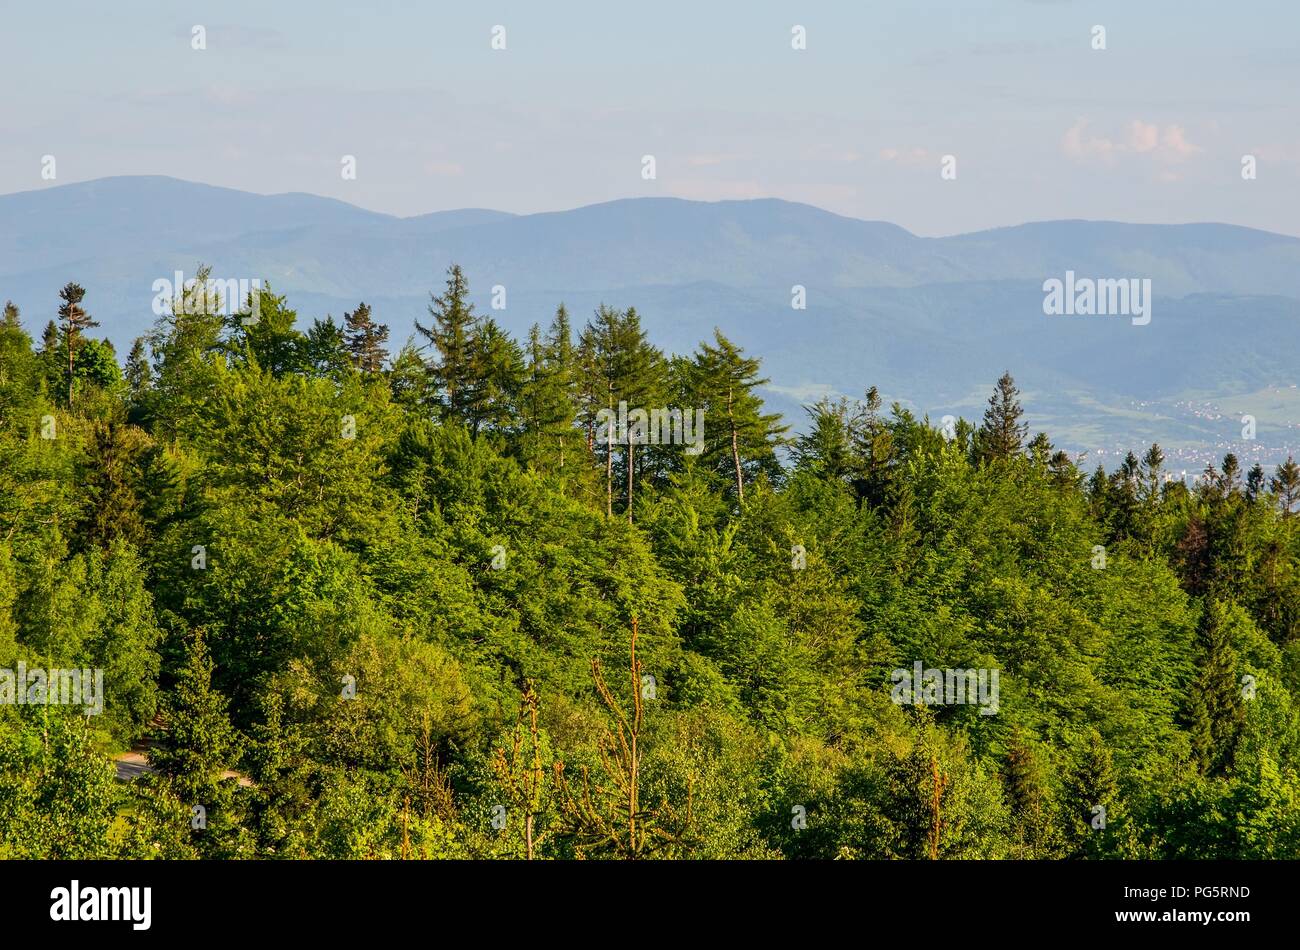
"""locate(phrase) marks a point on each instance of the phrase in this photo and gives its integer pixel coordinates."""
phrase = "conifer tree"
(1231, 472)
(408, 379)
(545, 405)
(1090, 798)
(139, 376)
(873, 441)
(76, 321)
(1254, 482)
(1215, 708)
(1151, 465)
(495, 376)
(1285, 484)
(562, 367)
(200, 740)
(365, 339)
(740, 439)
(325, 349)
(1062, 471)
(1024, 791)
(1002, 434)
(452, 336)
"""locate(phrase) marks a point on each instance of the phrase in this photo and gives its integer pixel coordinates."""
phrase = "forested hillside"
(364, 601)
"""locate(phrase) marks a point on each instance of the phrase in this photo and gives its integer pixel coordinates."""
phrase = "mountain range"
(932, 322)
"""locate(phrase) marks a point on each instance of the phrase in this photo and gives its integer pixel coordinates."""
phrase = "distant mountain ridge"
(929, 320)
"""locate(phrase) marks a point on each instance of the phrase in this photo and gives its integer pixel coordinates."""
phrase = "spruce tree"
(1091, 785)
(1254, 482)
(1215, 709)
(139, 376)
(1002, 434)
(1061, 470)
(1231, 472)
(873, 443)
(365, 339)
(1285, 484)
(740, 439)
(545, 405)
(200, 740)
(1151, 464)
(495, 377)
(1024, 789)
(76, 321)
(452, 337)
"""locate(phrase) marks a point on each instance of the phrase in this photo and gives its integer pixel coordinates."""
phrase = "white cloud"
(1166, 146)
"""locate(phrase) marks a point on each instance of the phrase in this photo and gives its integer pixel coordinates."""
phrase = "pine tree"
(1002, 433)
(1024, 791)
(740, 438)
(76, 321)
(494, 379)
(1061, 471)
(1215, 709)
(1090, 798)
(1151, 464)
(200, 740)
(1231, 472)
(545, 404)
(139, 376)
(452, 337)
(325, 349)
(873, 442)
(1254, 481)
(1285, 484)
(365, 339)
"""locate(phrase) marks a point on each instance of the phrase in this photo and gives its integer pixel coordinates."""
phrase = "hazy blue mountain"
(931, 321)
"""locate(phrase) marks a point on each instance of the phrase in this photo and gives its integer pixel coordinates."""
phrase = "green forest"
(354, 600)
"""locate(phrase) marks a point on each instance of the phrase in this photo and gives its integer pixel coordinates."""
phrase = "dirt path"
(131, 765)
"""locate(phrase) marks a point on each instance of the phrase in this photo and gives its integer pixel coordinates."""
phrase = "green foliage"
(362, 608)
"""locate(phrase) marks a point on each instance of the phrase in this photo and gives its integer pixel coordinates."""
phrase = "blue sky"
(1042, 126)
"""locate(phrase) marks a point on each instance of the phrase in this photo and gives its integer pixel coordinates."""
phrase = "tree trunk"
(630, 453)
(69, 339)
(735, 450)
(609, 458)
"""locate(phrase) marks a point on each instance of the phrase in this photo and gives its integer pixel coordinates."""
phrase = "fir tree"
(76, 321)
(1002, 434)
(365, 339)
(740, 439)
(1254, 482)
(1215, 709)
(139, 376)
(200, 740)
(1090, 799)
(452, 337)
(1285, 484)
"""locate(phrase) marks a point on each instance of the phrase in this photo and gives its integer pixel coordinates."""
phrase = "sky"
(1041, 125)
